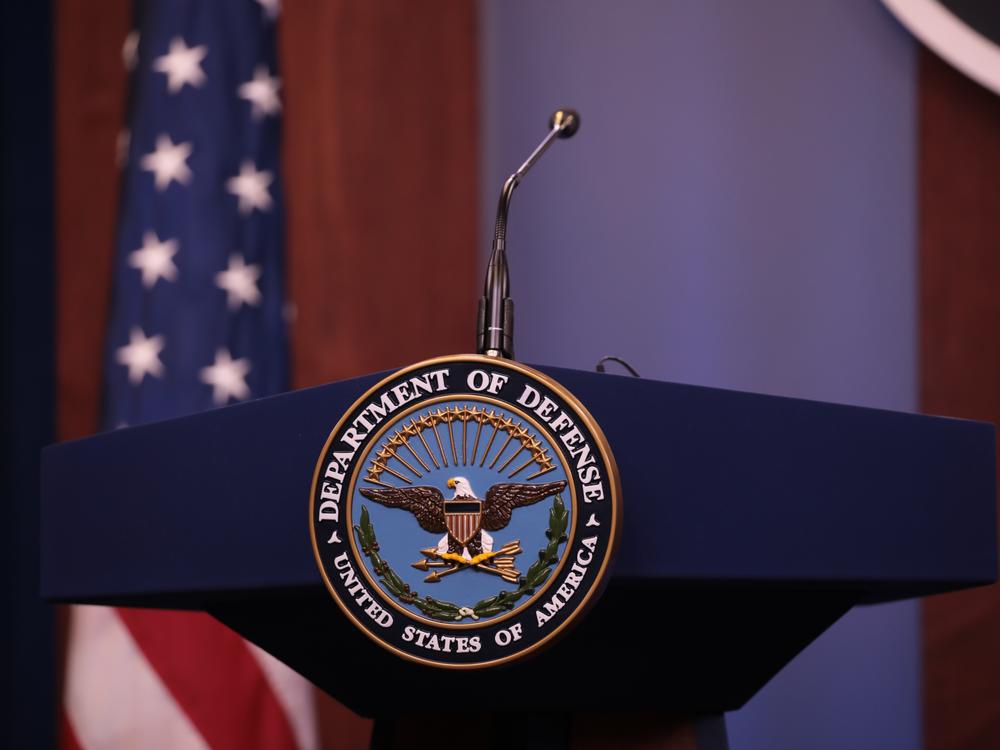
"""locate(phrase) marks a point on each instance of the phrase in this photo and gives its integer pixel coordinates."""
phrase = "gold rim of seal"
(614, 484)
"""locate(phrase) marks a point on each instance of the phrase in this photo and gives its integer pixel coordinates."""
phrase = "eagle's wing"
(501, 499)
(425, 503)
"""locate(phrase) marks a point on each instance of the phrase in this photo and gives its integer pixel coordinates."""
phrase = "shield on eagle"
(463, 517)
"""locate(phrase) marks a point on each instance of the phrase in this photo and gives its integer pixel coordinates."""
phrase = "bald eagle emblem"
(465, 521)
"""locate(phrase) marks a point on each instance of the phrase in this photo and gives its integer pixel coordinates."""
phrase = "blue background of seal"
(400, 537)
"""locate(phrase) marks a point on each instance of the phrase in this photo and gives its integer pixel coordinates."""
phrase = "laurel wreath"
(501, 602)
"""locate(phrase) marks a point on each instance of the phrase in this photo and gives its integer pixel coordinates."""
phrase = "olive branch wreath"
(501, 602)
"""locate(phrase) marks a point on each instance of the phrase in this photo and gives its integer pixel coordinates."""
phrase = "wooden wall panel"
(380, 160)
(89, 111)
(959, 206)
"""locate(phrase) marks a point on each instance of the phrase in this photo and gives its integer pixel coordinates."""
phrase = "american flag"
(196, 323)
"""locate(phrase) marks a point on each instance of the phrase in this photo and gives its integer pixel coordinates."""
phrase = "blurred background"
(783, 197)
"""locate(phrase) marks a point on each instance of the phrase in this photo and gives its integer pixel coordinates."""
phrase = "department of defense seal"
(465, 511)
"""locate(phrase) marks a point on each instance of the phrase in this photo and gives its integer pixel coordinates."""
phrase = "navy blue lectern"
(751, 523)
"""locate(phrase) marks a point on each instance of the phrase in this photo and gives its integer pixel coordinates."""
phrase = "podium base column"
(550, 731)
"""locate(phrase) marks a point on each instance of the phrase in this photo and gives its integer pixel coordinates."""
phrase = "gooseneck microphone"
(496, 308)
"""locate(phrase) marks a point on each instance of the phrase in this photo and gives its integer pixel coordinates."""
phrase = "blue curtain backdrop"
(737, 210)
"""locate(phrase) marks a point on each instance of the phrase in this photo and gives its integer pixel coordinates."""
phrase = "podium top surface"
(748, 490)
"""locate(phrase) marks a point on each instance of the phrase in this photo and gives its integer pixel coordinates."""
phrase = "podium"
(765, 520)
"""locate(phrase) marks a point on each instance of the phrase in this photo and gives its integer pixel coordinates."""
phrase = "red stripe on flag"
(213, 677)
(67, 737)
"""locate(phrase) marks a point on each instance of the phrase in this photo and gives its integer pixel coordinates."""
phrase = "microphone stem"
(496, 308)
(536, 154)
(500, 231)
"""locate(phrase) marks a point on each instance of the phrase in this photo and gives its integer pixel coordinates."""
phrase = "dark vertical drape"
(27, 380)
(959, 208)
(380, 169)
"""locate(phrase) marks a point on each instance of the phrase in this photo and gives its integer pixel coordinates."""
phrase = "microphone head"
(566, 120)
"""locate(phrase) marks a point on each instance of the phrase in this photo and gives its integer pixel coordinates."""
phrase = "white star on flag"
(239, 282)
(227, 376)
(130, 50)
(122, 144)
(262, 93)
(168, 162)
(182, 65)
(250, 186)
(141, 355)
(154, 259)
(271, 8)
